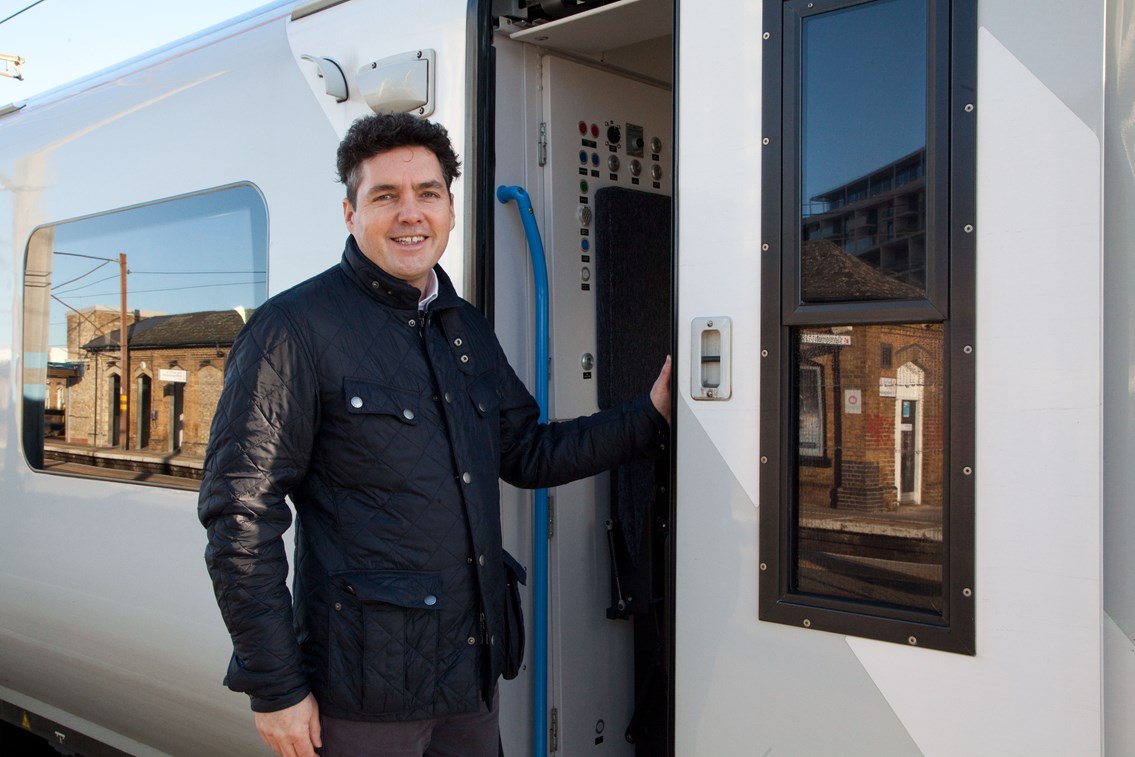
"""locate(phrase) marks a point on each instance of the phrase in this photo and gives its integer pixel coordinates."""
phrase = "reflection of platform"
(907, 522)
(145, 466)
(891, 556)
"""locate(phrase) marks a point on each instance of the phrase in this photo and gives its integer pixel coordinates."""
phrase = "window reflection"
(194, 270)
(863, 153)
(869, 513)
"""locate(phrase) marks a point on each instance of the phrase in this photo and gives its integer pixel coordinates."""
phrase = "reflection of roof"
(832, 275)
(204, 329)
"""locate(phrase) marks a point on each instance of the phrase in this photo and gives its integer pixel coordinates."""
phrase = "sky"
(63, 40)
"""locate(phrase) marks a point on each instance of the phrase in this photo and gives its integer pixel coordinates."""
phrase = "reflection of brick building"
(175, 373)
(878, 403)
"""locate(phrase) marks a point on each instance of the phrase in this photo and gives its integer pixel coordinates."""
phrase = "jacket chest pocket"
(368, 398)
(384, 640)
(486, 401)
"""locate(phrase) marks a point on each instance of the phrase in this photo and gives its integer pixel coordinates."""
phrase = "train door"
(584, 123)
(142, 419)
(114, 411)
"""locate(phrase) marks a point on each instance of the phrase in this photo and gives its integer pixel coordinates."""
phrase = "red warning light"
(594, 130)
(583, 128)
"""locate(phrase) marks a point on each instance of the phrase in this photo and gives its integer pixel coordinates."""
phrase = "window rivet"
(969, 107)
(967, 592)
(968, 349)
(765, 141)
(968, 228)
(764, 353)
(912, 640)
(807, 623)
(967, 470)
(764, 459)
(764, 566)
(766, 35)
(765, 246)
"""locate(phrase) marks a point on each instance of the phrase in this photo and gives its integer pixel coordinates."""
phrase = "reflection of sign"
(853, 401)
(175, 376)
(888, 387)
(843, 340)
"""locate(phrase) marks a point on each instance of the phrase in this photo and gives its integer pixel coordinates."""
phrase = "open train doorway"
(583, 121)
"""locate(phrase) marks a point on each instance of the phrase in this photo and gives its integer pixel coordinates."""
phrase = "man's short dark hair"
(378, 133)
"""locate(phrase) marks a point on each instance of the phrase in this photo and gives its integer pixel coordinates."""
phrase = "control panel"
(601, 130)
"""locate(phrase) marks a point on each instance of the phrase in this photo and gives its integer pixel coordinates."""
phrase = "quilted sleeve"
(258, 451)
(538, 455)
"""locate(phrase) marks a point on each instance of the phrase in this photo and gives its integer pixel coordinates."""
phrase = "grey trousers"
(473, 735)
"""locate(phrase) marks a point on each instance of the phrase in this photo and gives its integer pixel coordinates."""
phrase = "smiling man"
(380, 403)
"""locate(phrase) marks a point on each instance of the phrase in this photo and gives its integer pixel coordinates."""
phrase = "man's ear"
(349, 214)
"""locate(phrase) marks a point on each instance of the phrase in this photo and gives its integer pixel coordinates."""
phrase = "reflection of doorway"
(176, 417)
(908, 434)
(142, 417)
(114, 415)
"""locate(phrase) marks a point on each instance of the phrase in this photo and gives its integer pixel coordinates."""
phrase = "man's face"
(403, 213)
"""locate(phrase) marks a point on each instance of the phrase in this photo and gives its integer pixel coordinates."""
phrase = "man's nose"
(409, 208)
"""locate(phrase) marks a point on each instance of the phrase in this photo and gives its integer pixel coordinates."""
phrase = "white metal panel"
(1119, 383)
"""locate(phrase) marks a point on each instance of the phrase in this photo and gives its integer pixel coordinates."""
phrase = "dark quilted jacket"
(388, 430)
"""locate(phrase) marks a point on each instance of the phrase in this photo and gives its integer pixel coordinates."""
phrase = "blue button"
(585, 244)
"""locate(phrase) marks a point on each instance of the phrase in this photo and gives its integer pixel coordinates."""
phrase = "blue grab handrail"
(540, 499)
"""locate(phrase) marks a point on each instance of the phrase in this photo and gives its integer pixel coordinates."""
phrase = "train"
(889, 244)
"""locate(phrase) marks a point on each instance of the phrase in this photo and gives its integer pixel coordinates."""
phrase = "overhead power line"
(37, 2)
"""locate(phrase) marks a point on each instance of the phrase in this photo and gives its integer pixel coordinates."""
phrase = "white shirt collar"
(430, 293)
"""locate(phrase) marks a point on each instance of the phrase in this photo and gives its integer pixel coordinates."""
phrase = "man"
(381, 403)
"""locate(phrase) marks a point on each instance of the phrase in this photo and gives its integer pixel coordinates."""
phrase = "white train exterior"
(1015, 636)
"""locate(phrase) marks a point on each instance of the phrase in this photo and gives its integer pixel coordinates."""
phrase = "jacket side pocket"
(514, 576)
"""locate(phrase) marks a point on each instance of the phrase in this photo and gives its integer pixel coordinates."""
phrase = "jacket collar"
(388, 290)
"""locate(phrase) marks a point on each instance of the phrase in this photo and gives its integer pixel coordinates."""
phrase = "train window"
(867, 320)
(180, 276)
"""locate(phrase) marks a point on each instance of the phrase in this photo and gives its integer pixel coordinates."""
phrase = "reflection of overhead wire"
(88, 273)
(79, 313)
(173, 289)
(84, 286)
(77, 255)
(189, 273)
(28, 8)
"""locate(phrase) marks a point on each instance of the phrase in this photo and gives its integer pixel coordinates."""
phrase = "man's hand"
(660, 392)
(292, 732)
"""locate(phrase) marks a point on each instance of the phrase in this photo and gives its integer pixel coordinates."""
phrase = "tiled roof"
(205, 329)
(832, 275)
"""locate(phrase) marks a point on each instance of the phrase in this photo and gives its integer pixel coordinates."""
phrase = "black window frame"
(950, 292)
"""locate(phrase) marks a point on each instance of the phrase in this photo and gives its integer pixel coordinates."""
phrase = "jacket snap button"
(481, 406)
(464, 358)
(449, 396)
(356, 402)
(470, 641)
(481, 559)
(457, 342)
(338, 607)
(430, 600)
(466, 478)
(374, 285)
(412, 322)
(493, 639)
(408, 414)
